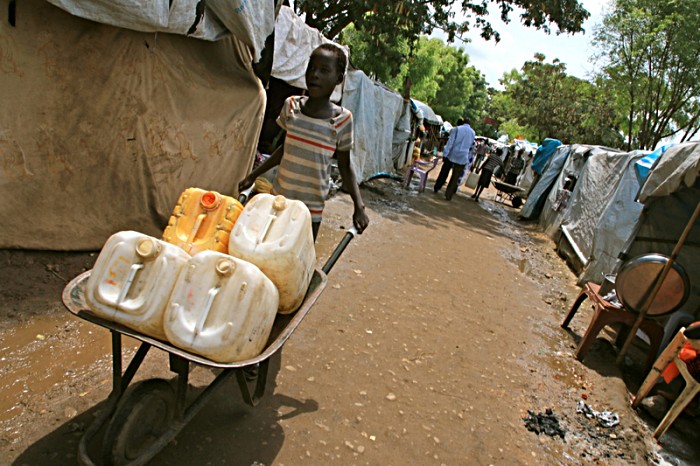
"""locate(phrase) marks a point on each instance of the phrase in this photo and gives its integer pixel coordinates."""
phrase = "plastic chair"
(692, 385)
(422, 168)
(606, 314)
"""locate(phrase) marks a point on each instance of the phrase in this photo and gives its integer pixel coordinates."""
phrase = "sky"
(519, 44)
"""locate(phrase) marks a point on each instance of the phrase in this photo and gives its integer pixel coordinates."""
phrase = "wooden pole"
(648, 299)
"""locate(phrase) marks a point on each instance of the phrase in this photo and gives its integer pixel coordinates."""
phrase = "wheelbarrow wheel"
(143, 415)
(516, 201)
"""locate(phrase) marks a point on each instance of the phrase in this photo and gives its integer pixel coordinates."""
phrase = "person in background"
(515, 167)
(492, 163)
(317, 130)
(482, 148)
(458, 153)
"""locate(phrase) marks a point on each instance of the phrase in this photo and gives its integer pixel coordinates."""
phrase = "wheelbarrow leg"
(181, 367)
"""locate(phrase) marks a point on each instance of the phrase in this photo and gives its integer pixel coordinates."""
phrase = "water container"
(221, 308)
(132, 280)
(202, 220)
(274, 233)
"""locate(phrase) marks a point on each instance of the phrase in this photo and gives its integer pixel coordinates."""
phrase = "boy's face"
(322, 74)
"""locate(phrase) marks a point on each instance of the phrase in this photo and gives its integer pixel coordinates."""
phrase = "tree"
(649, 50)
(542, 101)
(442, 78)
(410, 18)
(380, 56)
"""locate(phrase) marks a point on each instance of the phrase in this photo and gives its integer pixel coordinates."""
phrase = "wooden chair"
(606, 314)
(692, 385)
(421, 168)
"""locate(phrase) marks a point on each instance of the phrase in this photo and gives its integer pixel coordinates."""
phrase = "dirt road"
(438, 331)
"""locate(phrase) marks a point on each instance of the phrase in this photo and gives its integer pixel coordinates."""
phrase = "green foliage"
(411, 18)
(649, 50)
(441, 77)
(380, 56)
(541, 101)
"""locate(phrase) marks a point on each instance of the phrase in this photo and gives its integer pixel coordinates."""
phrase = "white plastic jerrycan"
(132, 281)
(222, 308)
(274, 233)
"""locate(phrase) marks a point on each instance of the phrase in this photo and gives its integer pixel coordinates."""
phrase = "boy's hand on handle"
(360, 219)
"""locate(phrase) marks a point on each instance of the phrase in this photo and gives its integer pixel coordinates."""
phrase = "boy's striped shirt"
(305, 169)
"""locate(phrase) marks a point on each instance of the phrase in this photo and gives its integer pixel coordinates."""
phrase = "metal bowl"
(636, 278)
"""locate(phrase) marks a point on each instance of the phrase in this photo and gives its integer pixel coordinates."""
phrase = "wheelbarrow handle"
(339, 250)
(243, 195)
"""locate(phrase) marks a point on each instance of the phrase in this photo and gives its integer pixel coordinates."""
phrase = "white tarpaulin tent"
(670, 194)
(376, 111)
(538, 195)
(615, 224)
(104, 127)
(596, 184)
(250, 22)
(554, 211)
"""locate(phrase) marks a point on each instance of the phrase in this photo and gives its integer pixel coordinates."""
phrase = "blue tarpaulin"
(544, 152)
(644, 165)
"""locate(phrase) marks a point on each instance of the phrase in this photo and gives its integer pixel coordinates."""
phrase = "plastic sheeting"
(544, 152)
(679, 167)
(554, 209)
(615, 224)
(427, 113)
(250, 21)
(595, 187)
(538, 195)
(376, 111)
(103, 127)
(294, 42)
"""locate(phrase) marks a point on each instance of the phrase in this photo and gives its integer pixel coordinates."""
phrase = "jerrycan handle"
(339, 250)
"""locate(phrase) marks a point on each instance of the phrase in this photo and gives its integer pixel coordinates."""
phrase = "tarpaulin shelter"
(594, 189)
(615, 224)
(670, 194)
(538, 194)
(543, 153)
(432, 124)
(556, 207)
(104, 126)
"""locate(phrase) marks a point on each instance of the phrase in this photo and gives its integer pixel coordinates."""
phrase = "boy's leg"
(442, 176)
(314, 229)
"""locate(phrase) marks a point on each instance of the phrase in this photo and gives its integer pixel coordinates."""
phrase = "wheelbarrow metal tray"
(74, 299)
(507, 188)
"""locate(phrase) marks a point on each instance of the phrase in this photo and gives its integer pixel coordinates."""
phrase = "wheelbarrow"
(142, 420)
(508, 191)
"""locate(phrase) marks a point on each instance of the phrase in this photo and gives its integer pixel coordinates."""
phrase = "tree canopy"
(649, 51)
(541, 101)
(410, 18)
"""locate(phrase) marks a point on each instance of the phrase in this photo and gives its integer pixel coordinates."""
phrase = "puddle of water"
(46, 353)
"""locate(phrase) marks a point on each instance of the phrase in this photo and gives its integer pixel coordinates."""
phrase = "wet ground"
(437, 333)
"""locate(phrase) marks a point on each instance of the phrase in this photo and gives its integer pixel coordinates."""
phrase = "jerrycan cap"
(210, 200)
(147, 248)
(225, 267)
(279, 203)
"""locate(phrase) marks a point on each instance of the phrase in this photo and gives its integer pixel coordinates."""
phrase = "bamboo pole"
(653, 290)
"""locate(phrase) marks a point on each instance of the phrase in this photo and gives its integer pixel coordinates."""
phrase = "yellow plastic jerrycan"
(275, 234)
(202, 220)
(221, 308)
(132, 280)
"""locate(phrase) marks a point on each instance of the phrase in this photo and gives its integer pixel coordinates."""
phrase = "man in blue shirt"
(458, 153)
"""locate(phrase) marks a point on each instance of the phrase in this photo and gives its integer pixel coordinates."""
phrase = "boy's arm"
(271, 162)
(359, 218)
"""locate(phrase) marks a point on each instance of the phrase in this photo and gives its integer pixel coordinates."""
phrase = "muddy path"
(437, 333)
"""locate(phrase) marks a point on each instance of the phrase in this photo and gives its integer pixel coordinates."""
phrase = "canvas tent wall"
(104, 127)
(670, 194)
(615, 224)
(595, 187)
(538, 194)
(554, 210)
